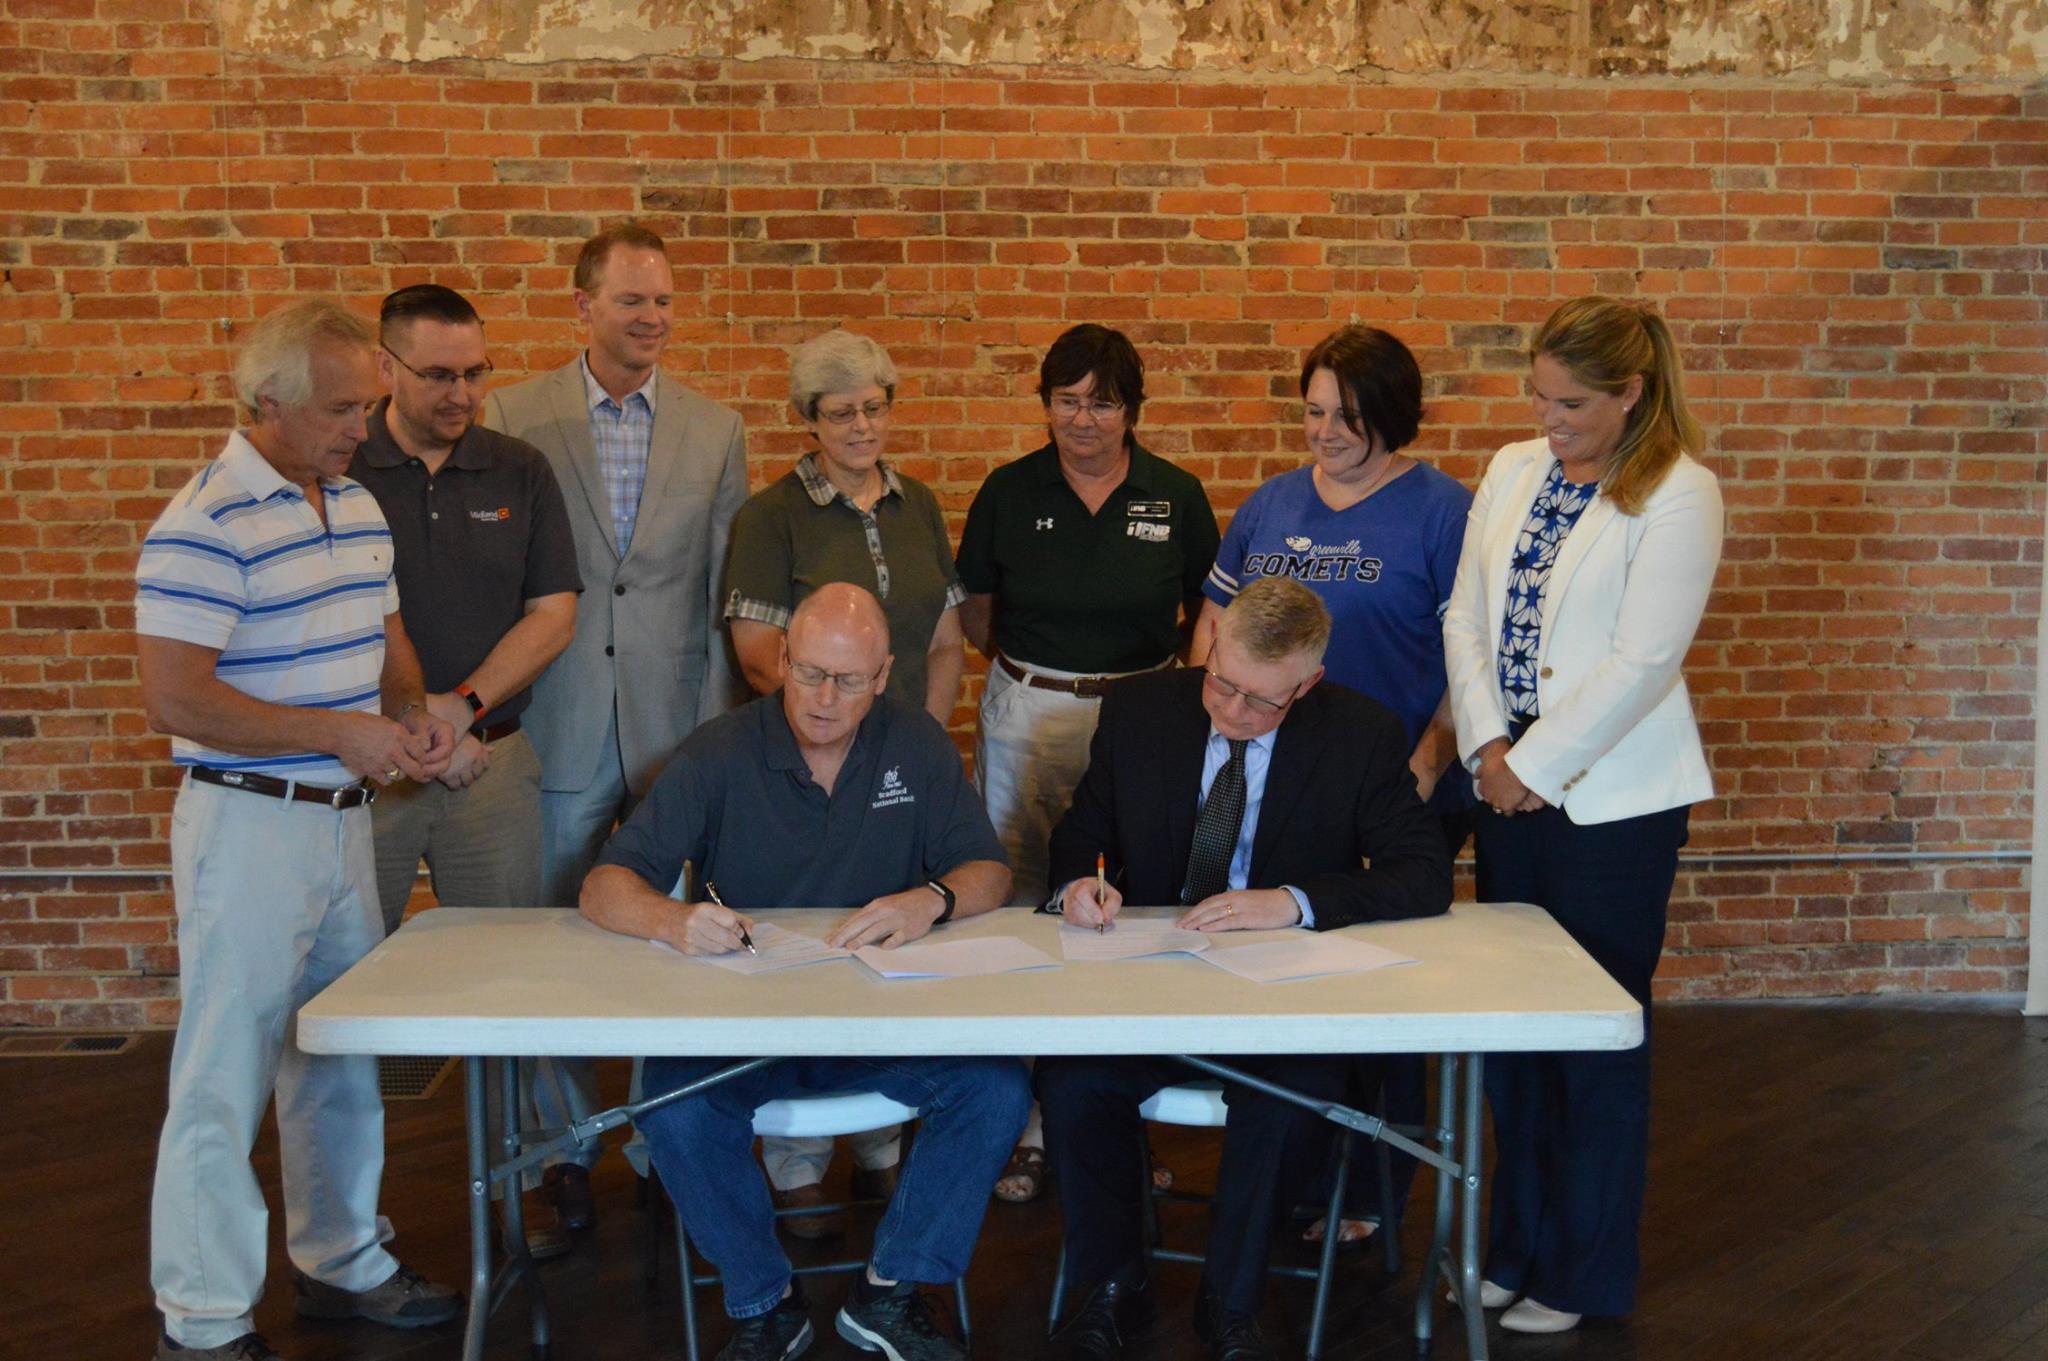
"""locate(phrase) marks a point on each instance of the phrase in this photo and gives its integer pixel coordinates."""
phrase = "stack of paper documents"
(955, 958)
(1130, 939)
(779, 949)
(1307, 955)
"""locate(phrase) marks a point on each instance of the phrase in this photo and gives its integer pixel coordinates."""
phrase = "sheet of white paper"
(779, 949)
(955, 958)
(1304, 956)
(1130, 939)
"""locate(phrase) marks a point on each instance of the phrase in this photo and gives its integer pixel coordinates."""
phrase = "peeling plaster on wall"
(1810, 39)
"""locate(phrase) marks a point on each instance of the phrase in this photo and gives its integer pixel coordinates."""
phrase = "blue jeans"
(971, 1111)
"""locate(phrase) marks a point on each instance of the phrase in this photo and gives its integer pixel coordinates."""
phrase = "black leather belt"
(347, 796)
(491, 732)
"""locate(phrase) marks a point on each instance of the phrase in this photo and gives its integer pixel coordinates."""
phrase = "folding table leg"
(473, 1087)
(1440, 1235)
(1468, 1247)
(518, 1260)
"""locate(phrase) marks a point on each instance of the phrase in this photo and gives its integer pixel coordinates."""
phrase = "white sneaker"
(1531, 1317)
(1491, 1296)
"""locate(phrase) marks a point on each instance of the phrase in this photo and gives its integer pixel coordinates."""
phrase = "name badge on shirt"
(1149, 510)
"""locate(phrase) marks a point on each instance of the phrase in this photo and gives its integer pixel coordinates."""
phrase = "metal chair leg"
(1390, 1214)
(960, 1306)
(1059, 1290)
(1332, 1231)
(689, 1289)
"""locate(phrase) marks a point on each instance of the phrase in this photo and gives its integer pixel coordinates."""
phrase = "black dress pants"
(1092, 1139)
(1572, 1130)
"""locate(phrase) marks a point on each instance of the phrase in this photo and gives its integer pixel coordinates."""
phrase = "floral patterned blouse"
(1557, 508)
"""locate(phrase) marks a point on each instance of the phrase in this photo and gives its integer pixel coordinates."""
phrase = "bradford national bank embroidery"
(1306, 560)
(892, 791)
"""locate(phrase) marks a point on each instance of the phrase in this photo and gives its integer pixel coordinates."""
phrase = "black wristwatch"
(938, 886)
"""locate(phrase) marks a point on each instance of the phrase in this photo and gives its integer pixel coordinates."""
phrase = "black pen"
(711, 892)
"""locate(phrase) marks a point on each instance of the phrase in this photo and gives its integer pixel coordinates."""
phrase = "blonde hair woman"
(1585, 569)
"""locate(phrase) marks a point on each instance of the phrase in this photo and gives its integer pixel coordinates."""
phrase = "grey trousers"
(481, 844)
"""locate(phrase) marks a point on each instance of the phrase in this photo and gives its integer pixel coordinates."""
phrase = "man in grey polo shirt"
(273, 653)
(487, 583)
(827, 793)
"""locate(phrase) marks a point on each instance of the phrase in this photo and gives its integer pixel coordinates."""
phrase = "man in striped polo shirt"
(271, 651)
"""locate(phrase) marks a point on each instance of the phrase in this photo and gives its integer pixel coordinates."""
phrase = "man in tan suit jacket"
(652, 474)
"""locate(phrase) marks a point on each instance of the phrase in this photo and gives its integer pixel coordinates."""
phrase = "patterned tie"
(1216, 831)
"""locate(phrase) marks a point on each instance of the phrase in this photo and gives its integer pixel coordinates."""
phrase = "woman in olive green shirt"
(842, 514)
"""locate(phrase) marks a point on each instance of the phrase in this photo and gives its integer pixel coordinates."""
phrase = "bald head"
(838, 638)
(841, 613)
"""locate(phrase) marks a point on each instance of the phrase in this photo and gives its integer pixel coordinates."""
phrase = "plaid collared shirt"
(622, 432)
(822, 492)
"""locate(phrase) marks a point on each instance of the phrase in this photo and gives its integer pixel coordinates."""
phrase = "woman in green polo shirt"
(843, 514)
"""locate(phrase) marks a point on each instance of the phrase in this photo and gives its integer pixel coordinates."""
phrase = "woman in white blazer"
(1586, 565)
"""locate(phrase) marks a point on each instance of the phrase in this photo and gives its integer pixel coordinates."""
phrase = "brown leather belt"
(1087, 687)
(346, 796)
(493, 731)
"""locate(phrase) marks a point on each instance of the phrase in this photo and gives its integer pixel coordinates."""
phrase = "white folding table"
(493, 984)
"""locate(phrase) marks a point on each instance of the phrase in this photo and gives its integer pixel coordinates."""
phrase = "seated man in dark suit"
(1257, 799)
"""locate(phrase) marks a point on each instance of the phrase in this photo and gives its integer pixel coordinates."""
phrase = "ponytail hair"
(1604, 342)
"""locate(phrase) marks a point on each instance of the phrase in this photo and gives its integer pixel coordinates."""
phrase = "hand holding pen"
(1101, 884)
(711, 892)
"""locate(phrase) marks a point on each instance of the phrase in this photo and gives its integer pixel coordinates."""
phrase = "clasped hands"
(890, 921)
(420, 746)
(1498, 785)
(1241, 909)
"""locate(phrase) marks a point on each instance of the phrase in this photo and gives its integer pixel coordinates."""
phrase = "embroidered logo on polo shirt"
(492, 516)
(1044, 522)
(893, 790)
(1147, 531)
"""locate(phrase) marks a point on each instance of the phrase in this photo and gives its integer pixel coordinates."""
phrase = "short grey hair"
(276, 357)
(1274, 618)
(837, 361)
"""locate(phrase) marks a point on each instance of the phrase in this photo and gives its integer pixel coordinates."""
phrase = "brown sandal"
(1026, 1166)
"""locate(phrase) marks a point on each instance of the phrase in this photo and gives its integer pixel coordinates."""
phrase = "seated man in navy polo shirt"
(827, 793)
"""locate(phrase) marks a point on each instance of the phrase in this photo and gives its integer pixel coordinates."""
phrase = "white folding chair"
(798, 1118)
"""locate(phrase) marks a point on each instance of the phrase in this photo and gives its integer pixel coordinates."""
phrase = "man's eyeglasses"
(849, 682)
(445, 378)
(1067, 406)
(874, 411)
(1258, 703)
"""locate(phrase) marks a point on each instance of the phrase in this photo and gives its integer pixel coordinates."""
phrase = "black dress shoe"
(568, 1186)
(1114, 1312)
(1231, 1336)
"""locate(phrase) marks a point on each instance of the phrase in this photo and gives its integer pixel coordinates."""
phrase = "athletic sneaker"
(895, 1321)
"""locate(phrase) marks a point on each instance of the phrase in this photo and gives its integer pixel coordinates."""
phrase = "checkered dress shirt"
(622, 433)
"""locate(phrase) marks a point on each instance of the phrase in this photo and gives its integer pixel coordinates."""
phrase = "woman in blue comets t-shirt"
(1376, 535)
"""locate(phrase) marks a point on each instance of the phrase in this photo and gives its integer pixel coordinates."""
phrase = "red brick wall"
(1856, 276)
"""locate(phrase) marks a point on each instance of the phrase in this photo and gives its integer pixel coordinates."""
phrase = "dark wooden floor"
(1856, 1181)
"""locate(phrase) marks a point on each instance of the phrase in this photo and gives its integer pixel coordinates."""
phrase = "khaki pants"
(1030, 753)
(275, 901)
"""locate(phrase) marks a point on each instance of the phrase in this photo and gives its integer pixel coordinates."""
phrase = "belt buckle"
(339, 799)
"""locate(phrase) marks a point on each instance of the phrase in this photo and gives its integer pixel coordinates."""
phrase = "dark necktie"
(1216, 831)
